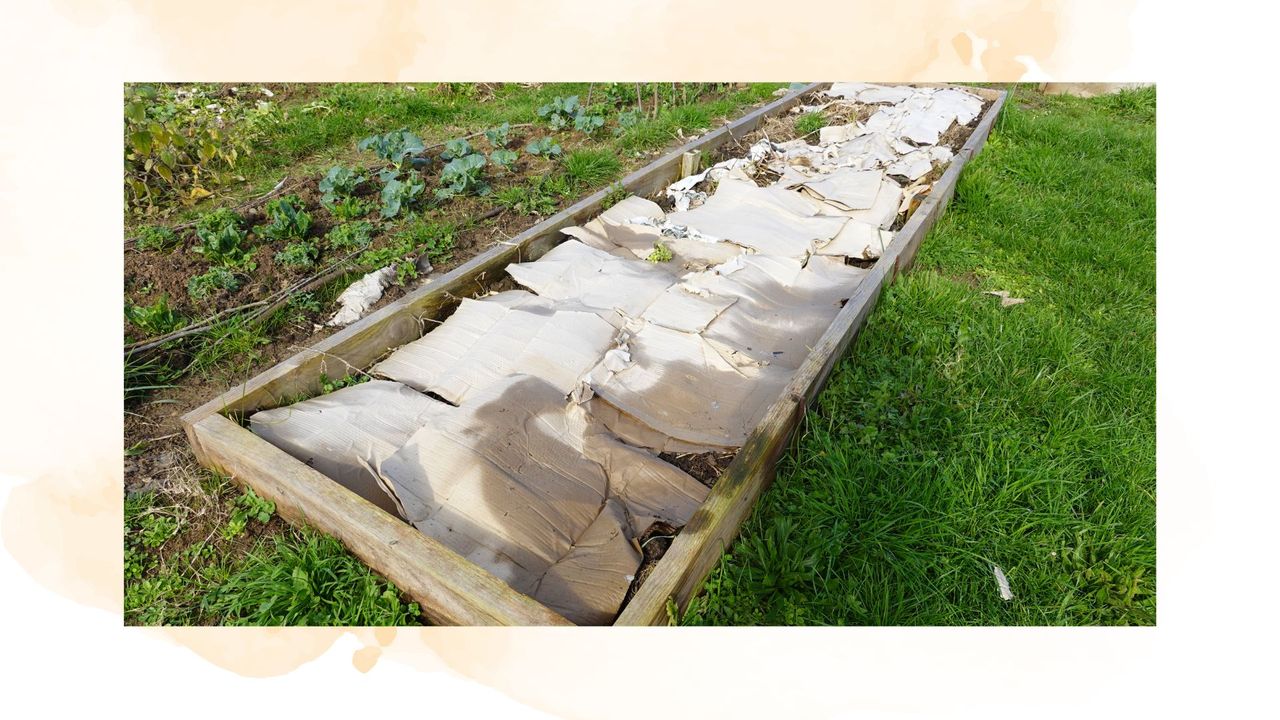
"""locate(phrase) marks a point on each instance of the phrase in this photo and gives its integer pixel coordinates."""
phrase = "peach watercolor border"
(62, 517)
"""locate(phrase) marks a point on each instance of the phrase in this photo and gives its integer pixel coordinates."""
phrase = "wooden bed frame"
(450, 589)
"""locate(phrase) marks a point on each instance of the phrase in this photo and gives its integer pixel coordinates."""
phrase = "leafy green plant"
(156, 237)
(544, 146)
(398, 194)
(809, 123)
(303, 304)
(396, 148)
(504, 158)
(560, 112)
(289, 221)
(216, 278)
(157, 318)
(455, 149)
(156, 529)
(221, 239)
(434, 239)
(249, 506)
(617, 193)
(298, 255)
(588, 124)
(463, 175)
(628, 119)
(340, 183)
(328, 384)
(351, 208)
(660, 253)
(350, 236)
(498, 136)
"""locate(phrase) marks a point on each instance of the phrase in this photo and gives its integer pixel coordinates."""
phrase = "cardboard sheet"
(491, 338)
(859, 240)
(348, 432)
(595, 278)
(846, 188)
(770, 220)
(522, 483)
(690, 388)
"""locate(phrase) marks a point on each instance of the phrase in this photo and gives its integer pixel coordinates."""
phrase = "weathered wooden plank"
(360, 344)
(450, 589)
(698, 547)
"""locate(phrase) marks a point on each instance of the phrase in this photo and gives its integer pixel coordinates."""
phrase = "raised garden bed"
(450, 589)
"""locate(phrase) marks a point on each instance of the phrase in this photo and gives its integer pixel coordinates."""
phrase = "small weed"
(351, 208)
(156, 529)
(204, 285)
(809, 123)
(157, 237)
(660, 253)
(350, 236)
(328, 385)
(617, 193)
(298, 255)
(249, 506)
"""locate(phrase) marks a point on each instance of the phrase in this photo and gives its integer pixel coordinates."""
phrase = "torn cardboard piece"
(768, 220)
(593, 277)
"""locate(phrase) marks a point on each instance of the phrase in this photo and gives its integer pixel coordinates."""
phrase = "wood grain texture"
(698, 547)
(450, 589)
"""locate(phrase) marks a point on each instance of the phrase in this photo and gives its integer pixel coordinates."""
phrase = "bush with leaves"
(157, 237)
(545, 147)
(463, 175)
(340, 183)
(399, 194)
(177, 143)
(298, 255)
(350, 236)
(221, 239)
(289, 221)
(215, 278)
(396, 148)
(157, 318)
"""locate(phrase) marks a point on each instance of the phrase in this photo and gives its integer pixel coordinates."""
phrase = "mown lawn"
(958, 434)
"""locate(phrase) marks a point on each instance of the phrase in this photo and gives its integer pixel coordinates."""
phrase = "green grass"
(188, 561)
(810, 122)
(957, 434)
(587, 168)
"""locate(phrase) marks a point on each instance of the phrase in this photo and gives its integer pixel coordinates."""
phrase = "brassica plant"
(463, 175)
(397, 194)
(497, 137)
(560, 112)
(504, 158)
(544, 146)
(396, 148)
(339, 184)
